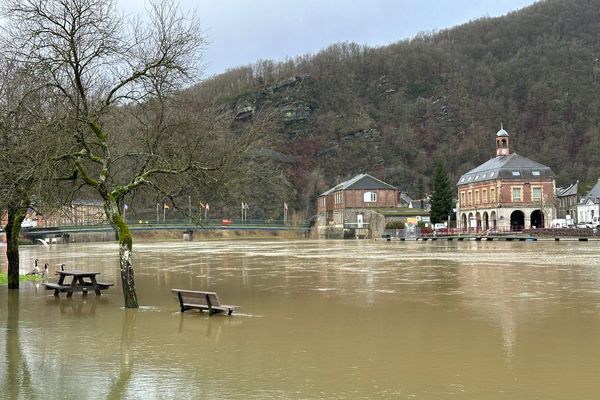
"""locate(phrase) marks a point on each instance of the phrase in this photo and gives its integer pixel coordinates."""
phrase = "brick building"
(507, 193)
(349, 208)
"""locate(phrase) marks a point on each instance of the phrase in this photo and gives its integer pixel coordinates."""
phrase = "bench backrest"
(198, 297)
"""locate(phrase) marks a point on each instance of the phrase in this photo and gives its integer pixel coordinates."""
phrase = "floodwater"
(318, 320)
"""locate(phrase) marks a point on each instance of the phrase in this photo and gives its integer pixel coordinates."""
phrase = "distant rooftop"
(511, 166)
(361, 181)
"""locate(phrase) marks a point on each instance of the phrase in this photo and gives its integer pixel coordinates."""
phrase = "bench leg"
(181, 302)
(69, 293)
(55, 292)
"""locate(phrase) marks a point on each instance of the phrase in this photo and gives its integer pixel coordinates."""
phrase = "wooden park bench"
(190, 299)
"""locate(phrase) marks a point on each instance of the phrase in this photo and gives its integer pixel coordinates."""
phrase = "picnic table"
(77, 281)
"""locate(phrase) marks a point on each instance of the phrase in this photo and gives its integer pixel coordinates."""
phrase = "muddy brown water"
(318, 320)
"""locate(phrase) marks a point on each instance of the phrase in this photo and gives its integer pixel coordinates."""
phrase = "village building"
(566, 200)
(78, 212)
(360, 208)
(588, 209)
(506, 193)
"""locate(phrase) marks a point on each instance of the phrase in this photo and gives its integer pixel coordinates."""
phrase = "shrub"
(394, 225)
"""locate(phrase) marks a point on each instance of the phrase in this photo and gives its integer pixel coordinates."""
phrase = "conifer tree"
(441, 195)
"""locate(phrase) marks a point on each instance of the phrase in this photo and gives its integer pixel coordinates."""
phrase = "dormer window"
(516, 173)
(370, 197)
(535, 173)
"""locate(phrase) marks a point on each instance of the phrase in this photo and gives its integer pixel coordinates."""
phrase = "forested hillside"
(394, 111)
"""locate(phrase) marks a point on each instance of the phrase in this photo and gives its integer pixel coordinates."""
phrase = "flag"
(285, 206)
(125, 207)
(207, 207)
(201, 205)
(166, 206)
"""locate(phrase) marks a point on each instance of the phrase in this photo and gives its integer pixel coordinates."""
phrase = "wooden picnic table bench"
(200, 300)
(81, 281)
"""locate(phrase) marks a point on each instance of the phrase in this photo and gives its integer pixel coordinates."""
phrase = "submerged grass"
(22, 278)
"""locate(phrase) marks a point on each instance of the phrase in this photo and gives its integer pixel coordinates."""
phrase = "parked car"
(584, 225)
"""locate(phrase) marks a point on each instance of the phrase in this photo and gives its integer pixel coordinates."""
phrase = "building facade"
(507, 193)
(349, 208)
(588, 209)
(567, 199)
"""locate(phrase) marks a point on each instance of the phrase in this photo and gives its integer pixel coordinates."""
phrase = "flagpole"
(157, 214)
(190, 206)
(164, 213)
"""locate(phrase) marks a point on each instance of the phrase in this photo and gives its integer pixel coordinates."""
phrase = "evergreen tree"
(441, 195)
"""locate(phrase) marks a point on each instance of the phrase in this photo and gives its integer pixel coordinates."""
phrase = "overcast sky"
(241, 32)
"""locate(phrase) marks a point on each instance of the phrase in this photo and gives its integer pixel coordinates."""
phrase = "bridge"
(64, 233)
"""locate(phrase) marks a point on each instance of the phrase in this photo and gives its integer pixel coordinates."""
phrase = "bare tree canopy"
(94, 61)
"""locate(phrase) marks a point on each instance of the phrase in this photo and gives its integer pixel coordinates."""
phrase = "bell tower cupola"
(502, 142)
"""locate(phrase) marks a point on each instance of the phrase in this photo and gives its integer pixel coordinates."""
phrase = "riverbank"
(22, 278)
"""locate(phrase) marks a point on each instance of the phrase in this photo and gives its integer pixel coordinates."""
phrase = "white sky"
(241, 32)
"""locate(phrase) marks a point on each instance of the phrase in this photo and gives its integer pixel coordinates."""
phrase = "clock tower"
(502, 148)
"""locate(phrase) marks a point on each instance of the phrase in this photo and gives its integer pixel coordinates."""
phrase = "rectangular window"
(484, 196)
(492, 194)
(536, 194)
(470, 198)
(516, 194)
(462, 199)
(338, 197)
(477, 197)
(370, 197)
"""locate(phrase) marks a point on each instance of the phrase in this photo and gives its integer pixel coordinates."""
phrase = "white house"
(588, 209)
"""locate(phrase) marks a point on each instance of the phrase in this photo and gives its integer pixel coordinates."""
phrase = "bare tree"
(26, 163)
(97, 63)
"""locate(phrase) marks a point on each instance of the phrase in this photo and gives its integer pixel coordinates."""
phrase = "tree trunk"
(12, 230)
(125, 253)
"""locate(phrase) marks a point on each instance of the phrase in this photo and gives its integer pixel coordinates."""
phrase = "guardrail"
(183, 225)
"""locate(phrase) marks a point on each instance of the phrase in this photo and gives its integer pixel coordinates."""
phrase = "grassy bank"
(22, 278)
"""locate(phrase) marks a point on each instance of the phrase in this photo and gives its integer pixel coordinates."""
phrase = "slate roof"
(570, 190)
(512, 166)
(361, 181)
(593, 194)
(405, 199)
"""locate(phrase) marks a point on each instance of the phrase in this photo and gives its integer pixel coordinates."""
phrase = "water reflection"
(18, 374)
(119, 388)
(342, 319)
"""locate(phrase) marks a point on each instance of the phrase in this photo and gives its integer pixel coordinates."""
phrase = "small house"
(346, 210)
